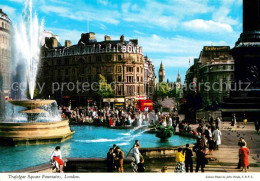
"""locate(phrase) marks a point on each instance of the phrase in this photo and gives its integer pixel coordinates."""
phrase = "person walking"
(201, 160)
(243, 155)
(217, 138)
(180, 158)
(188, 158)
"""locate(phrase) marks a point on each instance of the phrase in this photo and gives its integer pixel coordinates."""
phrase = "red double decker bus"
(142, 104)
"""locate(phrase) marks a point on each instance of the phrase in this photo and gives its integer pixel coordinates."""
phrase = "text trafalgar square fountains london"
(39, 127)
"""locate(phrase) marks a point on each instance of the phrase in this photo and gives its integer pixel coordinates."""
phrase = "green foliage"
(163, 89)
(175, 92)
(104, 89)
(164, 133)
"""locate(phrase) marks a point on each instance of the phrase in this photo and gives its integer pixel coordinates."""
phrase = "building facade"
(149, 78)
(121, 62)
(5, 59)
(212, 74)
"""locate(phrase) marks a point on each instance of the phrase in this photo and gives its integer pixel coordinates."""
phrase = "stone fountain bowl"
(32, 104)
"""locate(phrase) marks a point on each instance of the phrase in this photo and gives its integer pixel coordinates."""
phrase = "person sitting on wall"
(57, 158)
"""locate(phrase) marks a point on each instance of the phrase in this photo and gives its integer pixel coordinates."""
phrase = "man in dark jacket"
(201, 160)
(188, 158)
(110, 160)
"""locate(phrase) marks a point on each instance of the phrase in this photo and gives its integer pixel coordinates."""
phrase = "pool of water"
(88, 141)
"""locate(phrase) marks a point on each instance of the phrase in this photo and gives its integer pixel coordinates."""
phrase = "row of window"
(92, 59)
(5, 25)
(5, 52)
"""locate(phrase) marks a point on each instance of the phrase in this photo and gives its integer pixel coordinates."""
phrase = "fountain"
(25, 127)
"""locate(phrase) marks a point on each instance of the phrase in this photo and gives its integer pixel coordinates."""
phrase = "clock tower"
(161, 74)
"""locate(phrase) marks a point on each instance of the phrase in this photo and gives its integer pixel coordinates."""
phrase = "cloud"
(17, 1)
(138, 32)
(104, 2)
(106, 16)
(10, 11)
(171, 61)
(200, 25)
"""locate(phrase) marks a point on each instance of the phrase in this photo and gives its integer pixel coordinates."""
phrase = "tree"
(104, 90)
(164, 133)
(163, 89)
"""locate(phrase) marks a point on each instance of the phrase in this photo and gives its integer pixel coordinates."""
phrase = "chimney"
(135, 41)
(107, 38)
(51, 42)
(91, 36)
(122, 38)
(67, 43)
(54, 42)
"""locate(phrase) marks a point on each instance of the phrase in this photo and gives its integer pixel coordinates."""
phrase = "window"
(119, 78)
(129, 69)
(137, 69)
(98, 70)
(119, 57)
(108, 58)
(108, 69)
(89, 59)
(119, 69)
(98, 58)
(130, 79)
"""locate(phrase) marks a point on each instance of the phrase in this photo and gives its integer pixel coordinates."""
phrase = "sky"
(171, 31)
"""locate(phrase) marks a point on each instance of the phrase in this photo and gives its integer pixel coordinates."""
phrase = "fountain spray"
(28, 35)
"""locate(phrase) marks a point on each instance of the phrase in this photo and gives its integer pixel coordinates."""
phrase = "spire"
(178, 77)
(161, 66)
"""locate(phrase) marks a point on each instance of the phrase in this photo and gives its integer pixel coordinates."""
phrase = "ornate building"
(121, 62)
(161, 74)
(5, 59)
(211, 75)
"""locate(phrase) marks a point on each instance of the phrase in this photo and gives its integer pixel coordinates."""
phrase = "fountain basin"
(31, 103)
(13, 134)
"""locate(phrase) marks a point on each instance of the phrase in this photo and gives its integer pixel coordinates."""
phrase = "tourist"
(188, 158)
(140, 166)
(136, 153)
(164, 169)
(180, 158)
(257, 126)
(119, 159)
(111, 123)
(218, 122)
(211, 119)
(170, 121)
(110, 160)
(211, 145)
(240, 143)
(233, 120)
(201, 160)
(217, 138)
(244, 119)
(57, 158)
(243, 155)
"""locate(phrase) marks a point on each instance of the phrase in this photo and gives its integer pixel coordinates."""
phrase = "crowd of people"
(118, 117)
(208, 137)
(115, 159)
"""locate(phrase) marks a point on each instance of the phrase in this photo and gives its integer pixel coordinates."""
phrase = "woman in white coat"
(136, 153)
(217, 137)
